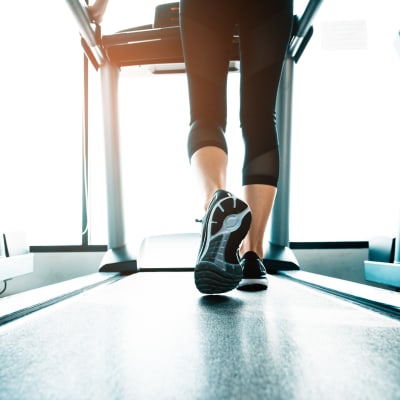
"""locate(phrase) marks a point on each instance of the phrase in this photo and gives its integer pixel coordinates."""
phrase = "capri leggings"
(207, 27)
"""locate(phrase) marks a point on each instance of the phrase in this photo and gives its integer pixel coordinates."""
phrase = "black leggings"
(207, 27)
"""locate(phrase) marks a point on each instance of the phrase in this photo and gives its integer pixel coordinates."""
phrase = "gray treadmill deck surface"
(152, 335)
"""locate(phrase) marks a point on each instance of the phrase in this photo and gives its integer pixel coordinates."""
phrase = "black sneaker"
(254, 273)
(224, 226)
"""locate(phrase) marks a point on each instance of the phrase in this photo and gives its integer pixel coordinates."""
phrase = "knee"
(262, 169)
(205, 133)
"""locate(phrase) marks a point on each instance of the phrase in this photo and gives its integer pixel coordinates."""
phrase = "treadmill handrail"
(94, 43)
(81, 13)
(134, 36)
(308, 15)
(304, 27)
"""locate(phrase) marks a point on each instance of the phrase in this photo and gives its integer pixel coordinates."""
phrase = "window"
(40, 139)
(345, 128)
(160, 194)
(345, 166)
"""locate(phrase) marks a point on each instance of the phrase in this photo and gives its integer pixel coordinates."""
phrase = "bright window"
(345, 128)
(345, 167)
(40, 124)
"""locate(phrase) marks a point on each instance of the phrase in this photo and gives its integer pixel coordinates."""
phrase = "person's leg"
(207, 28)
(267, 26)
(209, 166)
(260, 199)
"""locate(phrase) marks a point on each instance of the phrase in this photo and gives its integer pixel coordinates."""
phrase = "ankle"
(257, 250)
(208, 198)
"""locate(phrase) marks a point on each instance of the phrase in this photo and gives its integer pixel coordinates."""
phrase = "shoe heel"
(209, 279)
(227, 223)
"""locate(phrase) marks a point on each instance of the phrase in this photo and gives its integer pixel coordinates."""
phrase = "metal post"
(397, 248)
(85, 154)
(278, 256)
(117, 258)
(109, 84)
(280, 221)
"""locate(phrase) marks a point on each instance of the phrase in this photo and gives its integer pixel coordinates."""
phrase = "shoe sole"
(218, 270)
(253, 285)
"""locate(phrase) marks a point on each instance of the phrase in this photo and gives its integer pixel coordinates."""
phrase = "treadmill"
(142, 333)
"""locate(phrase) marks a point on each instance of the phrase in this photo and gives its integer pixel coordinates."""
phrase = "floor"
(152, 335)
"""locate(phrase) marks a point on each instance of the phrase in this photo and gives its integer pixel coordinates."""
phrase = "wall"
(347, 264)
(52, 268)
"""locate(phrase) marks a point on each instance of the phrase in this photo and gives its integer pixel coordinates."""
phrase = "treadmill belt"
(152, 335)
